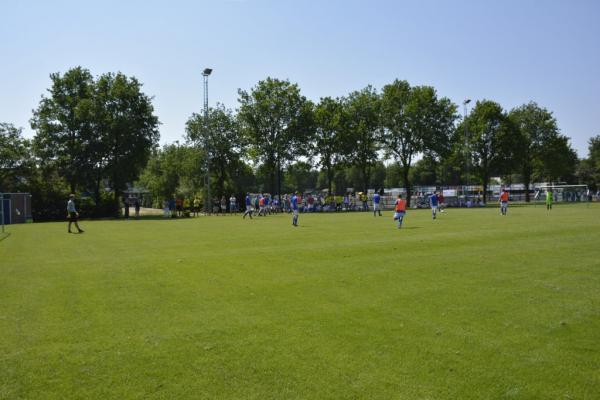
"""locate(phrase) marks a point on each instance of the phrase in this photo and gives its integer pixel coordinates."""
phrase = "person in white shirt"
(72, 214)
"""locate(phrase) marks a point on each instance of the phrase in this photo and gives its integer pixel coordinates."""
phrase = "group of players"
(436, 203)
(262, 210)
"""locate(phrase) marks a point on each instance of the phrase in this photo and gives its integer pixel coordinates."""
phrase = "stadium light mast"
(208, 201)
(467, 144)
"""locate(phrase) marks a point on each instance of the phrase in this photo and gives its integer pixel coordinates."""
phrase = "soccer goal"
(563, 193)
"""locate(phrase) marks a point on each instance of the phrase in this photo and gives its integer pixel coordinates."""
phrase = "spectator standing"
(136, 204)
(223, 205)
(232, 204)
(72, 214)
(126, 207)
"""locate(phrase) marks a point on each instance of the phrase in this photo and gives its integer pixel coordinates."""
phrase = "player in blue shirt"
(267, 204)
(433, 203)
(294, 205)
(376, 201)
(249, 208)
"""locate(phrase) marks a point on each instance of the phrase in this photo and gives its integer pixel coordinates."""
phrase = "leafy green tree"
(218, 135)
(588, 170)
(127, 127)
(243, 179)
(378, 175)
(538, 129)
(490, 141)
(424, 172)
(328, 140)
(594, 150)
(558, 160)
(173, 169)
(277, 122)
(15, 157)
(588, 173)
(394, 176)
(65, 127)
(300, 176)
(415, 121)
(89, 130)
(361, 126)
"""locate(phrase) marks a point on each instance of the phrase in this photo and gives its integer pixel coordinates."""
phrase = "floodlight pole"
(467, 144)
(208, 202)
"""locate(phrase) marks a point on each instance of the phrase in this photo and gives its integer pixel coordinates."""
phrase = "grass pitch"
(470, 306)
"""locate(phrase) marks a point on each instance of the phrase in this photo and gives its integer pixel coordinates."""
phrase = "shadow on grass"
(4, 235)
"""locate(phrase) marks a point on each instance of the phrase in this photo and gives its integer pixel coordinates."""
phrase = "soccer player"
(433, 203)
(503, 202)
(376, 200)
(549, 199)
(248, 207)
(261, 205)
(441, 202)
(400, 210)
(294, 205)
(72, 214)
(232, 204)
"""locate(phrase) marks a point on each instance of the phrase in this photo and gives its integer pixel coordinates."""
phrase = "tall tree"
(219, 136)
(415, 121)
(128, 129)
(538, 129)
(489, 136)
(558, 160)
(15, 157)
(90, 129)
(64, 125)
(588, 170)
(594, 150)
(361, 127)
(328, 139)
(277, 122)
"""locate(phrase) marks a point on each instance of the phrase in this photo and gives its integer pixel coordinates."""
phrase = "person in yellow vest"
(196, 206)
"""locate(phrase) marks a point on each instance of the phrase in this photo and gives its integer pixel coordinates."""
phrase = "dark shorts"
(72, 216)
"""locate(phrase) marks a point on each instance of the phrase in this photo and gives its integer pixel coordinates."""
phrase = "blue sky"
(509, 51)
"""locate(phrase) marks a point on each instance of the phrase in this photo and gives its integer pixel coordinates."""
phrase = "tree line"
(401, 135)
(96, 135)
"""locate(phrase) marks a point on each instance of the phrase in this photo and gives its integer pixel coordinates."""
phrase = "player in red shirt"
(503, 202)
(400, 210)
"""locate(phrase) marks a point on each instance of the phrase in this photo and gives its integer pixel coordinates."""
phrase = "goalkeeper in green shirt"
(549, 199)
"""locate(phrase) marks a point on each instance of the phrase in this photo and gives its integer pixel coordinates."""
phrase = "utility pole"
(467, 146)
(208, 201)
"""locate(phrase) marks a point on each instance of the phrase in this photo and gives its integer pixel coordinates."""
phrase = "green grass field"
(470, 306)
